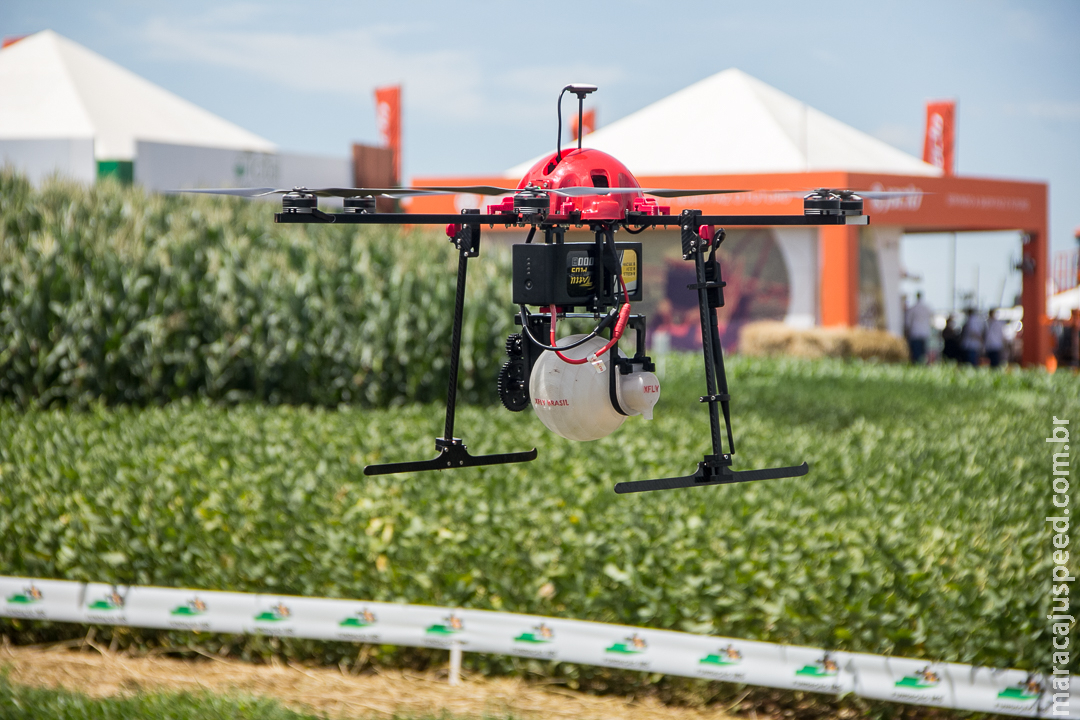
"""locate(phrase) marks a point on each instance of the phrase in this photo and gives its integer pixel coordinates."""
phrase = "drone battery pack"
(572, 274)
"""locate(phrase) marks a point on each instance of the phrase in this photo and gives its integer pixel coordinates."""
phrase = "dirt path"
(98, 673)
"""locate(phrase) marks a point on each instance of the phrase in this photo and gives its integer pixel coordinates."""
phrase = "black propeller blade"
(320, 192)
(844, 193)
(581, 191)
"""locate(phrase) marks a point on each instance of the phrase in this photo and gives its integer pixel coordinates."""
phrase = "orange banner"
(940, 142)
(588, 124)
(388, 116)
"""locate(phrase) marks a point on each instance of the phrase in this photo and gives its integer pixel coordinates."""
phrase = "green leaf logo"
(1025, 691)
(726, 656)
(360, 620)
(632, 645)
(193, 607)
(922, 680)
(451, 624)
(277, 613)
(537, 635)
(825, 667)
(28, 596)
(112, 601)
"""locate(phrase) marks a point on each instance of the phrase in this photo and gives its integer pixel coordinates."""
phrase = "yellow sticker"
(630, 269)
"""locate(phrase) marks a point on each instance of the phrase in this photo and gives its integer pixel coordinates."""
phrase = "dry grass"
(770, 339)
(97, 672)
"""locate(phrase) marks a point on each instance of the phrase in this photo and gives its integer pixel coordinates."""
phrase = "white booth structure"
(67, 111)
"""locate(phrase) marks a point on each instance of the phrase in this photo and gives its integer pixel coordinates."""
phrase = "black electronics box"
(572, 274)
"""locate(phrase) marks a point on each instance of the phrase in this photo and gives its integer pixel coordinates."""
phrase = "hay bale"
(772, 339)
(766, 339)
(878, 345)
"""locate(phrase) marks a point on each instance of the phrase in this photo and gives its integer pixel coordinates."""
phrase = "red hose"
(620, 326)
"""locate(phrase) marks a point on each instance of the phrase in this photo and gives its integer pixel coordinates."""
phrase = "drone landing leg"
(452, 451)
(715, 469)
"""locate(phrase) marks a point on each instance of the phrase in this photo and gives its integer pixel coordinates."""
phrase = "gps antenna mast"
(581, 90)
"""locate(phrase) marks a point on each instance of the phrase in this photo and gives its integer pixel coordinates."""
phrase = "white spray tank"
(574, 401)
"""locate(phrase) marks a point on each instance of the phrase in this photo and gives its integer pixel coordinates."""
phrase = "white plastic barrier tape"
(919, 682)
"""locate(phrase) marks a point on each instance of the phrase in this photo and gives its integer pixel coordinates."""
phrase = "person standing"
(971, 337)
(950, 341)
(919, 318)
(995, 339)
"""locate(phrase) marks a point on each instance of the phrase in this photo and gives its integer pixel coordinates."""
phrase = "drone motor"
(299, 201)
(360, 204)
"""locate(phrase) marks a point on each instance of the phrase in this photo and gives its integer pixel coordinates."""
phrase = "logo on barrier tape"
(24, 603)
(1022, 696)
(726, 656)
(826, 667)
(108, 608)
(28, 596)
(440, 634)
(275, 619)
(450, 625)
(192, 608)
(185, 617)
(112, 601)
(918, 687)
(538, 635)
(361, 619)
(355, 627)
(819, 676)
(630, 646)
(276, 613)
(1025, 691)
(922, 680)
(722, 665)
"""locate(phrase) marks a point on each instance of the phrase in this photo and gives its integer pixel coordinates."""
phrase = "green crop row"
(32, 703)
(109, 294)
(918, 532)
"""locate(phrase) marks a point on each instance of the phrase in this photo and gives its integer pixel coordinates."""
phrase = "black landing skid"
(715, 469)
(452, 452)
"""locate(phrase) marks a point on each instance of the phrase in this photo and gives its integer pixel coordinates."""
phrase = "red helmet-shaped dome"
(586, 167)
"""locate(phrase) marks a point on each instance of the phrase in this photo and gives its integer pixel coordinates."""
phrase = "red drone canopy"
(585, 167)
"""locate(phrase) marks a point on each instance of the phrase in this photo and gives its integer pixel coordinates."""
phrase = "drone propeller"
(846, 194)
(320, 192)
(658, 192)
(570, 192)
(237, 192)
(578, 191)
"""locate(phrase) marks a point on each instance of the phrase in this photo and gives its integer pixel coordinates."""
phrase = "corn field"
(108, 294)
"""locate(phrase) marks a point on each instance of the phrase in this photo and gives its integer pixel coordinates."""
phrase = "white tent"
(66, 109)
(56, 88)
(732, 123)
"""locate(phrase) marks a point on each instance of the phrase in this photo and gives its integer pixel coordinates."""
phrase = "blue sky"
(480, 78)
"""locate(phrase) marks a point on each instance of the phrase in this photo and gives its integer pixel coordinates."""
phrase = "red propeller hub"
(586, 167)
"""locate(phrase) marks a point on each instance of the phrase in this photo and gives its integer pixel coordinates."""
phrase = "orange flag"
(388, 116)
(588, 124)
(940, 144)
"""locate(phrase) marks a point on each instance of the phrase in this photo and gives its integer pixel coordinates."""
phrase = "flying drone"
(582, 387)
